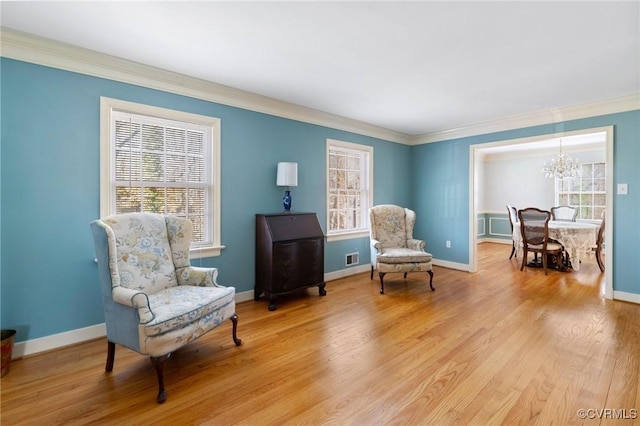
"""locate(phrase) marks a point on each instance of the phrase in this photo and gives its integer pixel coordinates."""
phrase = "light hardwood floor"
(498, 346)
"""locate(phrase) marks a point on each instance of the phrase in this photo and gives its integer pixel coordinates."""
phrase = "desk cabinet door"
(298, 264)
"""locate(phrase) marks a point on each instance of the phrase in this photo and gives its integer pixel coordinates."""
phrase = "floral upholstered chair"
(154, 301)
(393, 248)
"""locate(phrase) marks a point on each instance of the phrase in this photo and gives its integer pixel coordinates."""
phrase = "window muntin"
(162, 161)
(586, 192)
(349, 188)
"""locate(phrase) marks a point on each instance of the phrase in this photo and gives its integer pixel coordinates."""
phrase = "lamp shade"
(287, 174)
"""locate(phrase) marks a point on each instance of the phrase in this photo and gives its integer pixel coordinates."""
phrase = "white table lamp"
(287, 176)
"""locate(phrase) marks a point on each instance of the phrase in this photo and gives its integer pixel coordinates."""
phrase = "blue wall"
(441, 191)
(50, 189)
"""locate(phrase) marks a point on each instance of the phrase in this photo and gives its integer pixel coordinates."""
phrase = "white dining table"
(577, 238)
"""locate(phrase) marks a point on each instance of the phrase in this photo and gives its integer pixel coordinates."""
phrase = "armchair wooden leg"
(431, 280)
(513, 251)
(371, 271)
(381, 274)
(405, 275)
(525, 254)
(158, 364)
(111, 354)
(234, 320)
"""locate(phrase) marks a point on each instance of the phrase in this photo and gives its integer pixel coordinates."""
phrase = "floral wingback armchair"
(154, 301)
(393, 248)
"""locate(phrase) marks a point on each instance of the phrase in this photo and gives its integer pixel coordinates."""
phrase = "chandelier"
(561, 166)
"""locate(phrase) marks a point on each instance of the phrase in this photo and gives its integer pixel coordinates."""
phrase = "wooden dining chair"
(564, 213)
(599, 241)
(534, 227)
(513, 218)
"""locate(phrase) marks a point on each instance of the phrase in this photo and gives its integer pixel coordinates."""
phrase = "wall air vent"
(352, 259)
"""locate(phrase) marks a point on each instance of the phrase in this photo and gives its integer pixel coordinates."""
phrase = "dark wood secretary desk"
(289, 254)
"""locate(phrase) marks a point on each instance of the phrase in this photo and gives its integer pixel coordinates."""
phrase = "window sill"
(202, 252)
(348, 235)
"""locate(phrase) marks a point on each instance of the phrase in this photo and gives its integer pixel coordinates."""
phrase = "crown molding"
(556, 115)
(41, 51)
(38, 50)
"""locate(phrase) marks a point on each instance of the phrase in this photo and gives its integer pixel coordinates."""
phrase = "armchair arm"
(376, 246)
(416, 244)
(135, 299)
(197, 276)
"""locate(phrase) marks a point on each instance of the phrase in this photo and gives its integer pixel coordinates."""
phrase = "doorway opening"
(586, 139)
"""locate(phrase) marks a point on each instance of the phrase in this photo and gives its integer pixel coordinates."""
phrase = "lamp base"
(286, 201)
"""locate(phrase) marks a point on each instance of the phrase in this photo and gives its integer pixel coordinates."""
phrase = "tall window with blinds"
(349, 175)
(586, 192)
(163, 165)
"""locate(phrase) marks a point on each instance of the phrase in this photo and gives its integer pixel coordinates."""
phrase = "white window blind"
(163, 166)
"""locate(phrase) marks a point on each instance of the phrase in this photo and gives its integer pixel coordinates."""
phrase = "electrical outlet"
(623, 189)
(447, 244)
(352, 259)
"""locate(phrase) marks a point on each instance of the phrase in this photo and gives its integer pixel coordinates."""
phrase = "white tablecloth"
(578, 238)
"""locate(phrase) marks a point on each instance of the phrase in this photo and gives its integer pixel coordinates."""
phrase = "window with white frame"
(586, 192)
(162, 161)
(349, 189)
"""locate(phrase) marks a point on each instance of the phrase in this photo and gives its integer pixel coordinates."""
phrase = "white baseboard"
(244, 296)
(494, 240)
(626, 297)
(451, 265)
(354, 270)
(59, 340)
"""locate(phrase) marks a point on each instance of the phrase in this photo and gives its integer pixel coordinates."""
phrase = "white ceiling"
(412, 67)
